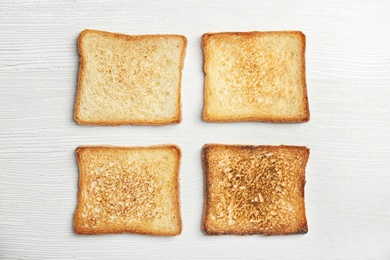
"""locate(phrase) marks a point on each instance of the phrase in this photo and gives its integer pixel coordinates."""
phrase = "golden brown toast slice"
(255, 76)
(128, 189)
(254, 189)
(127, 79)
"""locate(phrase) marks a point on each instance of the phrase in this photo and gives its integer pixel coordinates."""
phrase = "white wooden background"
(348, 175)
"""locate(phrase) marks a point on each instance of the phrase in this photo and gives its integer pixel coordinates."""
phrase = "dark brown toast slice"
(254, 189)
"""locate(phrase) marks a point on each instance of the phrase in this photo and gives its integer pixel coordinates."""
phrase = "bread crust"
(81, 75)
(78, 219)
(305, 117)
(206, 225)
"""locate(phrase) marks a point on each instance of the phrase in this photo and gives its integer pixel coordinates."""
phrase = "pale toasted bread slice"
(255, 76)
(126, 79)
(254, 189)
(128, 190)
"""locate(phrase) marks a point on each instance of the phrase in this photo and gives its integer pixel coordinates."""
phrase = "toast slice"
(254, 189)
(255, 76)
(128, 190)
(126, 79)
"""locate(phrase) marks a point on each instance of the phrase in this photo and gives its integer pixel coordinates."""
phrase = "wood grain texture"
(348, 180)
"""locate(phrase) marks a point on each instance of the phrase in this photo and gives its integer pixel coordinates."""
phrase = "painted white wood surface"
(348, 175)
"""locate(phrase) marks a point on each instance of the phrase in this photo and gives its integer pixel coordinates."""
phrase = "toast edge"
(176, 196)
(205, 166)
(303, 227)
(176, 119)
(79, 229)
(306, 115)
(205, 114)
(179, 118)
(80, 88)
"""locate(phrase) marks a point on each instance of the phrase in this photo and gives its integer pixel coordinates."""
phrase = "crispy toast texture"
(128, 190)
(255, 76)
(254, 189)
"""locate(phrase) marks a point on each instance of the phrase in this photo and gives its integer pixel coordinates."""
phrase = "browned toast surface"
(254, 189)
(255, 76)
(128, 189)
